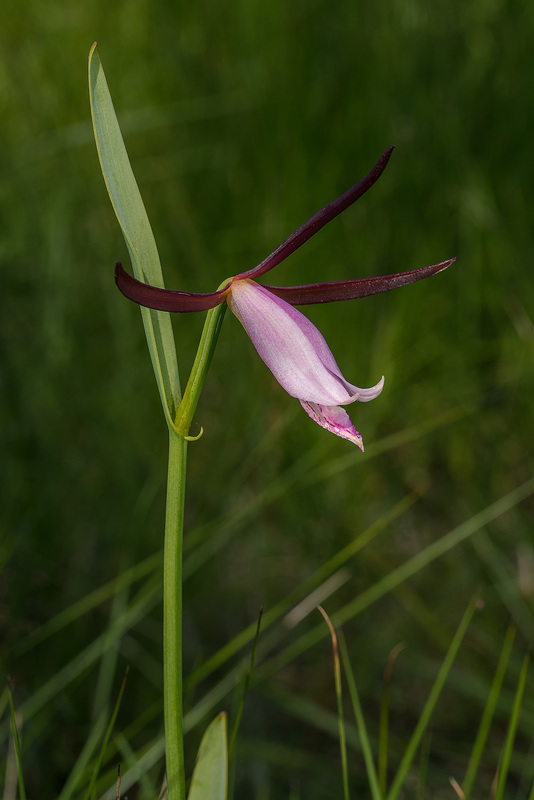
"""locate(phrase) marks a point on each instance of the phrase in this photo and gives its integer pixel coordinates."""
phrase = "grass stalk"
(509, 743)
(360, 721)
(489, 711)
(430, 704)
(16, 743)
(339, 698)
(384, 721)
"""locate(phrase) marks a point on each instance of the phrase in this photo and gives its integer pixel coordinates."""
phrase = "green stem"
(199, 370)
(172, 557)
(172, 616)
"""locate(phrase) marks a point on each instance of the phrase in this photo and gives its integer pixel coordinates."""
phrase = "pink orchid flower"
(293, 349)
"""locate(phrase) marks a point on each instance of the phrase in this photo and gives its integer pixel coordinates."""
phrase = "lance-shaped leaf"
(210, 776)
(133, 220)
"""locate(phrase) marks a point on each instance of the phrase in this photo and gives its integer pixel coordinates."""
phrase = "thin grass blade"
(309, 585)
(339, 698)
(398, 576)
(509, 743)
(360, 721)
(133, 220)
(430, 704)
(384, 720)
(77, 610)
(82, 762)
(129, 759)
(210, 776)
(245, 687)
(16, 743)
(107, 737)
(424, 761)
(487, 717)
(143, 603)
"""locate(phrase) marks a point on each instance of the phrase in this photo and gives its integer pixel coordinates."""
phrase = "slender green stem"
(172, 557)
(199, 370)
(172, 616)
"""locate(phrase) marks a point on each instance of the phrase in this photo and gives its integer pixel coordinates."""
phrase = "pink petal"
(353, 289)
(292, 347)
(334, 419)
(320, 219)
(165, 299)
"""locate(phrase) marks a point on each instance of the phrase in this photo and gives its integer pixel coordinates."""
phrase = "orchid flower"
(293, 349)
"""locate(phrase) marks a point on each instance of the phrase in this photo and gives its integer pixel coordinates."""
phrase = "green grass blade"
(489, 711)
(137, 772)
(509, 744)
(133, 220)
(81, 765)
(399, 575)
(245, 688)
(107, 737)
(360, 721)
(147, 786)
(210, 776)
(503, 579)
(384, 720)
(77, 610)
(424, 761)
(147, 599)
(339, 698)
(322, 574)
(16, 742)
(430, 704)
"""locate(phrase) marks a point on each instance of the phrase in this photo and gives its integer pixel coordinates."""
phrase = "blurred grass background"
(241, 120)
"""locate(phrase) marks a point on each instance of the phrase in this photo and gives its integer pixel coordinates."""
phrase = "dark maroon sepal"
(319, 220)
(352, 289)
(165, 299)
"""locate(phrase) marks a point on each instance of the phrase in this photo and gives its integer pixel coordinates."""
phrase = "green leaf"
(133, 220)
(210, 776)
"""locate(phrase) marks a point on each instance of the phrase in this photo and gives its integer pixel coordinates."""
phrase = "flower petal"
(291, 346)
(165, 299)
(320, 219)
(334, 419)
(364, 395)
(355, 288)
